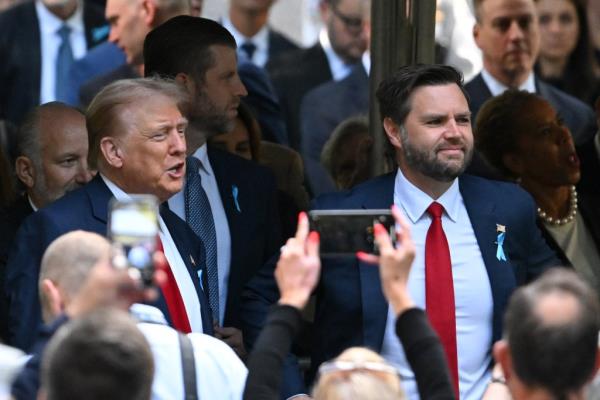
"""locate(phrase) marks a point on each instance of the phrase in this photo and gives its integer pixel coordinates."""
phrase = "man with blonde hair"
(137, 143)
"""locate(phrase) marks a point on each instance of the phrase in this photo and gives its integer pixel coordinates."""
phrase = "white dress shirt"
(176, 263)
(497, 88)
(339, 69)
(50, 41)
(260, 40)
(177, 205)
(472, 290)
(220, 374)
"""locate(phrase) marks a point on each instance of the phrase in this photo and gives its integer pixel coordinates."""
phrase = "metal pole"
(402, 33)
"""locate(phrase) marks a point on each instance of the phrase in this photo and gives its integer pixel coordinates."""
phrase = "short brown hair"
(103, 114)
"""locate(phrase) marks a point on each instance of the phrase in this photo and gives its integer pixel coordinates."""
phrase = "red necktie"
(173, 298)
(439, 289)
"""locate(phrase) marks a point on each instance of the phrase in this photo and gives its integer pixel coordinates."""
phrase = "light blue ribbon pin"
(235, 192)
(500, 250)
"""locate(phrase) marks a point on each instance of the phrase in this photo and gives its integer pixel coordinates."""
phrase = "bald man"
(51, 159)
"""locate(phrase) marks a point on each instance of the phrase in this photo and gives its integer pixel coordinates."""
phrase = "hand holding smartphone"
(346, 232)
(133, 229)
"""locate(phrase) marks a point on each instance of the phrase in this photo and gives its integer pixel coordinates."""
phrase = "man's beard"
(47, 196)
(428, 164)
(208, 119)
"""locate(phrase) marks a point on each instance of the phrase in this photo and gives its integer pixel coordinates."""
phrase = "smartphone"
(133, 230)
(344, 232)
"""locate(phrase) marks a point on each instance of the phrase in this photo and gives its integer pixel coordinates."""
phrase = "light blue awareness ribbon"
(500, 251)
(234, 192)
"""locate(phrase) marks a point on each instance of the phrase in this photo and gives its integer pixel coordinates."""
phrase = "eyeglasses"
(353, 23)
(348, 366)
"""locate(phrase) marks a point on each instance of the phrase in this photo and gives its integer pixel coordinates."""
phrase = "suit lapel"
(484, 220)
(228, 184)
(194, 262)
(99, 195)
(32, 36)
(478, 93)
(374, 305)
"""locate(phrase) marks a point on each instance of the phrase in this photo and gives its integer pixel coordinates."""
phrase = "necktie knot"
(64, 32)
(192, 165)
(249, 48)
(435, 209)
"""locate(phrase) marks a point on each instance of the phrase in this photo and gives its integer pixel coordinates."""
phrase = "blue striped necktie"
(198, 215)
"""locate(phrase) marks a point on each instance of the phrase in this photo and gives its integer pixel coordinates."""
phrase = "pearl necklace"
(570, 215)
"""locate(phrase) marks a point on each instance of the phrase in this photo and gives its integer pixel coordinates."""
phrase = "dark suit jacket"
(10, 220)
(293, 75)
(578, 116)
(351, 309)
(90, 89)
(279, 44)
(322, 110)
(254, 227)
(20, 69)
(263, 101)
(100, 60)
(590, 168)
(85, 208)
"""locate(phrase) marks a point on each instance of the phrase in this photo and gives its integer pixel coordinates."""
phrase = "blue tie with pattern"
(64, 60)
(198, 215)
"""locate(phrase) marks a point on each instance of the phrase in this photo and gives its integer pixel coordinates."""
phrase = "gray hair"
(103, 114)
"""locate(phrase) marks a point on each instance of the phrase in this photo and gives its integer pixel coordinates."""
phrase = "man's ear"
(324, 10)
(476, 32)
(392, 131)
(54, 304)
(112, 152)
(502, 356)
(514, 163)
(25, 171)
(187, 81)
(149, 8)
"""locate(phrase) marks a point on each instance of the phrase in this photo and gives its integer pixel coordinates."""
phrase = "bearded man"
(476, 239)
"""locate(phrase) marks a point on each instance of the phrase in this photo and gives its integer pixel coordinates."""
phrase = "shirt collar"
(339, 69)
(366, 61)
(497, 88)
(202, 155)
(114, 189)
(33, 206)
(260, 39)
(50, 23)
(415, 202)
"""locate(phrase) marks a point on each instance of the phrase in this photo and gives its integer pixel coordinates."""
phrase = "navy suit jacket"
(279, 44)
(20, 52)
(351, 309)
(578, 116)
(322, 110)
(87, 209)
(293, 75)
(253, 222)
(101, 59)
(10, 220)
